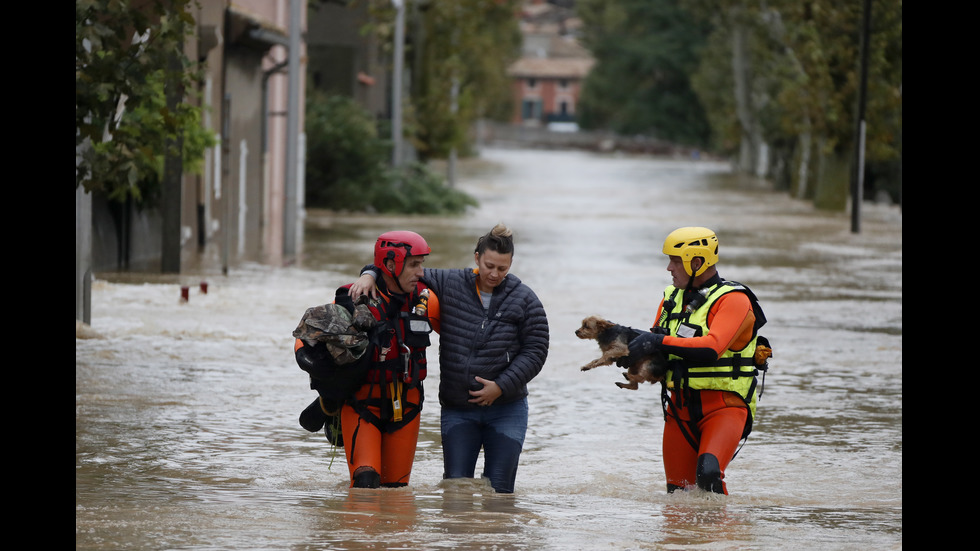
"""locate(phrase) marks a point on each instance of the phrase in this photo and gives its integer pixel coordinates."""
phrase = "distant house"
(546, 91)
(547, 79)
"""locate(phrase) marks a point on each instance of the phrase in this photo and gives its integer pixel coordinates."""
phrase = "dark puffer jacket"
(507, 343)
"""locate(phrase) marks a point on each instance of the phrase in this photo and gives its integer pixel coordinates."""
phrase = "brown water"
(186, 431)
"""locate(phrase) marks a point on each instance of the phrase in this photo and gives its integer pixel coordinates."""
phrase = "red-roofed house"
(548, 77)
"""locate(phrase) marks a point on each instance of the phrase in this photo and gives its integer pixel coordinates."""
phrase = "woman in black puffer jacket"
(493, 340)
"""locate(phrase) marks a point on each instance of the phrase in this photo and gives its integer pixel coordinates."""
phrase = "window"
(531, 109)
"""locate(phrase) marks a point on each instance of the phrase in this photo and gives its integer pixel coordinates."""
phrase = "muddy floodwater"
(186, 412)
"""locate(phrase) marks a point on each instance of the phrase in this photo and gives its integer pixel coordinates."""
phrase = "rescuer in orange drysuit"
(708, 330)
(380, 418)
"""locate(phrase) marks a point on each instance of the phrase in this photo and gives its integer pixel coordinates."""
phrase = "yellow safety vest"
(734, 371)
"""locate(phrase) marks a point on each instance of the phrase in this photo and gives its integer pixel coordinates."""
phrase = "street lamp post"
(396, 91)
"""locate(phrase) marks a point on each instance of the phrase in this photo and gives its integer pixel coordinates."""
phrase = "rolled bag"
(331, 345)
(337, 345)
(334, 384)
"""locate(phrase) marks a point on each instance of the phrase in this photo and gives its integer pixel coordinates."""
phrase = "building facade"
(236, 206)
(246, 204)
(547, 79)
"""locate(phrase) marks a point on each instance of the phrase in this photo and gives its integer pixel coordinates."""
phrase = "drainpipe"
(265, 136)
(222, 158)
(290, 228)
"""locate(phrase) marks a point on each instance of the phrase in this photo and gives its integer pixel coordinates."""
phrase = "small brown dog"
(614, 342)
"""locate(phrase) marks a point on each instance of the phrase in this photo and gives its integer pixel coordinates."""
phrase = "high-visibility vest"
(735, 371)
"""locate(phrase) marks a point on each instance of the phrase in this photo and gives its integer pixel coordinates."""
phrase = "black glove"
(313, 417)
(316, 360)
(644, 345)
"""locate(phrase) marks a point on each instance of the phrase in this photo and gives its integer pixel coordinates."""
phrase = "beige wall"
(242, 191)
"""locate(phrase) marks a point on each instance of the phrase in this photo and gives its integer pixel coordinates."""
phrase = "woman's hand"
(486, 395)
(363, 286)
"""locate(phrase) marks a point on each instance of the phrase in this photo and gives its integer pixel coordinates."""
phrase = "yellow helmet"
(691, 242)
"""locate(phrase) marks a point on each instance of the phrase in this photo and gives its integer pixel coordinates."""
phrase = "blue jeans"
(498, 429)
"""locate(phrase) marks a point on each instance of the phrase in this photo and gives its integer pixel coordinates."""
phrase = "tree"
(345, 159)
(785, 75)
(645, 52)
(464, 50)
(347, 166)
(126, 59)
(776, 82)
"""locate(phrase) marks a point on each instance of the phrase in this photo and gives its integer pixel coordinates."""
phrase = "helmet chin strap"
(693, 274)
(395, 277)
(399, 284)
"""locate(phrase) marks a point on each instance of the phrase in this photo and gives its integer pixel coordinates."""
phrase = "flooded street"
(186, 413)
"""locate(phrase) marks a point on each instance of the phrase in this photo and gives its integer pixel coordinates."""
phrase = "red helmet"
(398, 245)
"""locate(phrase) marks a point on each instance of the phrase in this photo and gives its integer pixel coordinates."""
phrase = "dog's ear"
(602, 324)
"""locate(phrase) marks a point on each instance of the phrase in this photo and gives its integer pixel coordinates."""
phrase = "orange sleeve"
(660, 310)
(730, 323)
(433, 311)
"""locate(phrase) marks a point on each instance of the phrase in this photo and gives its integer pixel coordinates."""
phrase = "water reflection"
(711, 524)
(460, 514)
(369, 514)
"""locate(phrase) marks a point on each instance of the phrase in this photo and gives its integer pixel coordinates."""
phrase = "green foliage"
(473, 42)
(415, 189)
(346, 160)
(126, 58)
(803, 68)
(671, 68)
(645, 51)
(348, 166)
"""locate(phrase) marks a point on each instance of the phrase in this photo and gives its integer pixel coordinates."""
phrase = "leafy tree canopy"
(127, 59)
(645, 52)
(347, 166)
(669, 67)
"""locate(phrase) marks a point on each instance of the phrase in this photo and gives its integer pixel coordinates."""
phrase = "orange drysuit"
(703, 427)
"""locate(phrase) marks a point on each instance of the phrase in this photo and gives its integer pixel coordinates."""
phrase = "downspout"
(265, 136)
(222, 159)
(291, 227)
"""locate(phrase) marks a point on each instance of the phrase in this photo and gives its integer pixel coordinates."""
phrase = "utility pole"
(396, 85)
(857, 164)
(453, 108)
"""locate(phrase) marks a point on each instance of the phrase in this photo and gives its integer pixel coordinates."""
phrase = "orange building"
(547, 90)
(547, 79)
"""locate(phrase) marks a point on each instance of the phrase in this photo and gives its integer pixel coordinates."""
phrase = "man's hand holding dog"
(643, 345)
